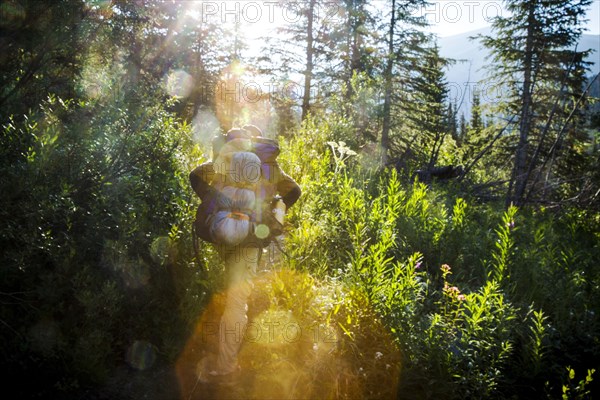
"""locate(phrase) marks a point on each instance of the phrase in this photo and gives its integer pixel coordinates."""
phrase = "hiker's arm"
(200, 179)
(288, 189)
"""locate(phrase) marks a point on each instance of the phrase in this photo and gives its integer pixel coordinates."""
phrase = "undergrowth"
(483, 302)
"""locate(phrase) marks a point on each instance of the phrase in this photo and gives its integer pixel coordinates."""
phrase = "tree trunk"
(387, 106)
(520, 167)
(352, 40)
(309, 60)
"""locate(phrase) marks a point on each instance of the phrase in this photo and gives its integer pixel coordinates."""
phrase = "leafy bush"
(423, 287)
(87, 187)
(519, 306)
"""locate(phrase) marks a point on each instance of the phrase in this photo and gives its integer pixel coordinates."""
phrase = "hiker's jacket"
(204, 178)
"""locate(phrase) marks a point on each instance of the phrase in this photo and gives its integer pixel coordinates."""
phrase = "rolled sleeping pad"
(234, 198)
(242, 167)
(230, 227)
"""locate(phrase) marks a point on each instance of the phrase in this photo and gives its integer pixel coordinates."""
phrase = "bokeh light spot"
(261, 231)
(179, 83)
(141, 355)
(204, 127)
(273, 328)
(159, 249)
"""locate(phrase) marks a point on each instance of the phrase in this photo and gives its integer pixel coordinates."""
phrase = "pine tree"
(475, 136)
(200, 46)
(531, 50)
(303, 47)
(401, 33)
(426, 112)
(353, 44)
(452, 122)
(476, 121)
(462, 130)
(310, 50)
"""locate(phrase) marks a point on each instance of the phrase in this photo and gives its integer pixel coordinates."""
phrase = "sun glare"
(294, 345)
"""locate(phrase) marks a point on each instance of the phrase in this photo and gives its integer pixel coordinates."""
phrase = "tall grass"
(483, 302)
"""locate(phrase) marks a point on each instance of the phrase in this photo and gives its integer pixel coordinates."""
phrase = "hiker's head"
(235, 139)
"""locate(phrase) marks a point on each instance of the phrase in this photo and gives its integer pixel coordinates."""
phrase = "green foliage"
(504, 246)
(98, 250)
(427, 291)
(87, 188)
(316, 339)
(577, 390)
(467, 331)
(543, 83)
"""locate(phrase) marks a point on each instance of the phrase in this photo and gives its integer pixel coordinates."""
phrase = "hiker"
(244, 193)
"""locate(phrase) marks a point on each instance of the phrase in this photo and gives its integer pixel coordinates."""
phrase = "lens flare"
(262, 231)
(369, 157)
(294, 345)
(160, 249)
(141, 355)
(204, 127)
(178, 83)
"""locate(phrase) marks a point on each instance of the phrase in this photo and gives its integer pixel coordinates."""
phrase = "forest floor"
(294, 348)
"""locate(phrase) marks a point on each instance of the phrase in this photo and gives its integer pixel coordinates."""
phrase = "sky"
(449, 17)
(260, 18)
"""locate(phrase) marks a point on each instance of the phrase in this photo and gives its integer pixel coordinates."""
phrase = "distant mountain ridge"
(464, 76)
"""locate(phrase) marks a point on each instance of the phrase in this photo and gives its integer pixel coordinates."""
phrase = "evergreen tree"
(476, 121)
(202, 49)
(462, 130)
(310, 50)
(531, 50)
(303, 47)
(161, 44)
(360, 48)
(476, 136)
(402, 35)
(452, 122)
(353, 44)
(426, 110)
(351, 67)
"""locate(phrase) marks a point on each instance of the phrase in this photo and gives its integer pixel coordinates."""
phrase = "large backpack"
(239, 213)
